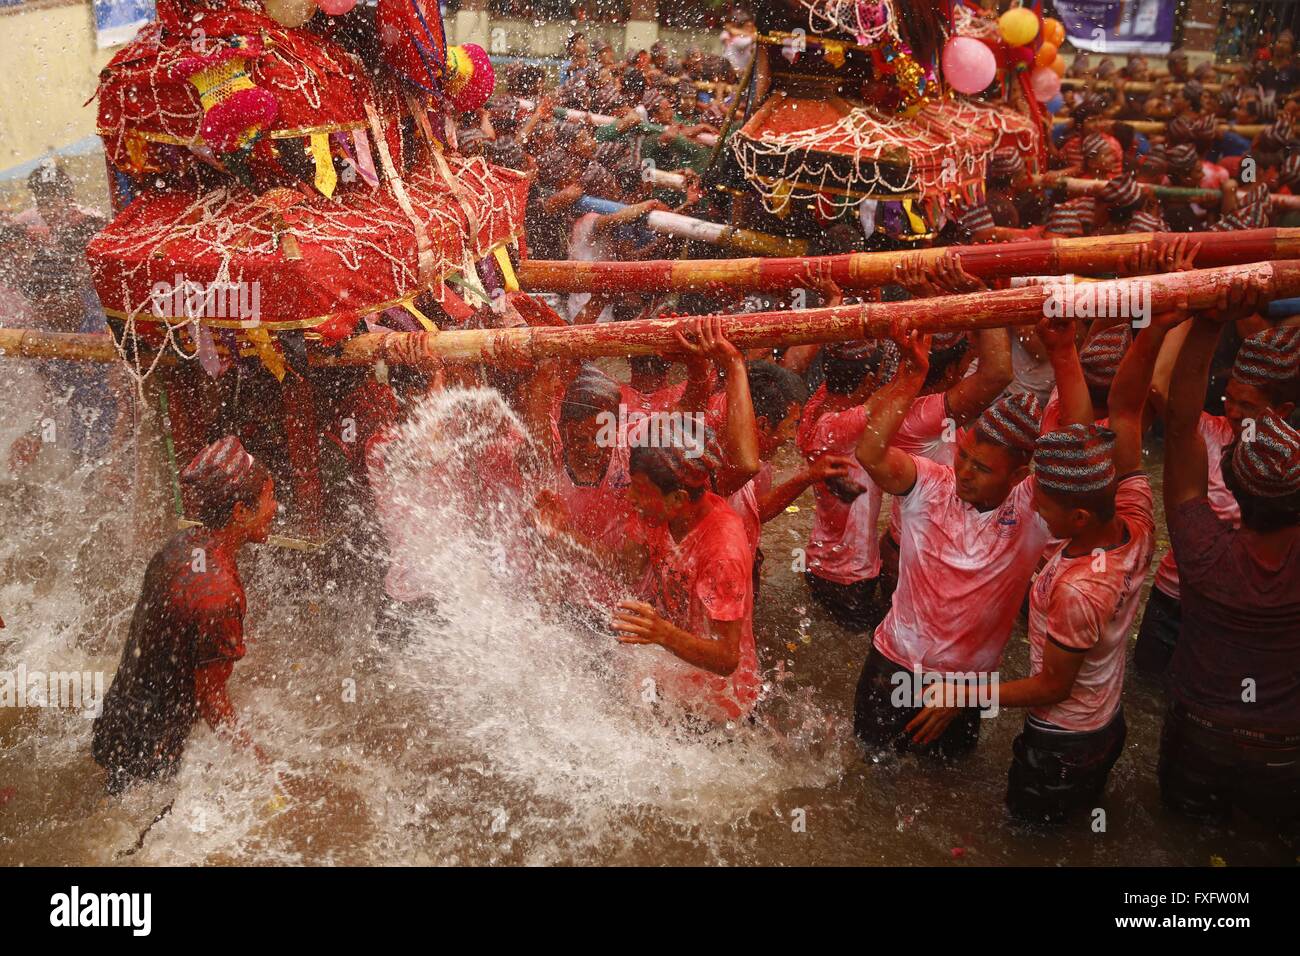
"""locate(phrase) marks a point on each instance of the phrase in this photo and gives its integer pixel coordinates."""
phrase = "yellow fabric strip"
(915, 221)
(326, 177)
(507, 270)
(271, 360)
(420, 317)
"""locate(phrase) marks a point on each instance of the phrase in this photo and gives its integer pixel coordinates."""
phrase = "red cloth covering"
(358, 251)
(316, 83)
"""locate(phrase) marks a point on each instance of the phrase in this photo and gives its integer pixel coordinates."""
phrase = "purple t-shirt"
(1241, 624)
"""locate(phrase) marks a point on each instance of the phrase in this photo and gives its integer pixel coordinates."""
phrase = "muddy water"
(499, 732)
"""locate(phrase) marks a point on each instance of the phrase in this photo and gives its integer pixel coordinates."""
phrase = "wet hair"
(670, 470)
(633, 85)
(846, 367)
(590, 393)
(773, 389)
(526, 79)
(941, 360)
(1259, 514)
(1100, 503)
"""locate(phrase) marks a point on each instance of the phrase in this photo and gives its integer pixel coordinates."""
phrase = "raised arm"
(893, 470)
(1072, 389)
(740, 434)
(780, 497)
(1186, 474)
(977, 391)
(1132, 384)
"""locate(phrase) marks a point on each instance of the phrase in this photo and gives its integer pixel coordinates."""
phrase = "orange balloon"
(1045, 55)
(1053, 31)
(1057, 66)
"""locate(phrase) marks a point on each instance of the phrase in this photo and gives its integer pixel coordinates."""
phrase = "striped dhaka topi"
(1076, 459)
(1012, 421)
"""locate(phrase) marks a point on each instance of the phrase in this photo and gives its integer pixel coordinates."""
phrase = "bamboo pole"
(1137, 86)
(72, 346)
(644, 127)
(524, 346)
(1250, 130)
(1206, 197)
(687, 227)
(1083, 256)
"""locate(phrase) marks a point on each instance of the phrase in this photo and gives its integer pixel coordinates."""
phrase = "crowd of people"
(1011, 462)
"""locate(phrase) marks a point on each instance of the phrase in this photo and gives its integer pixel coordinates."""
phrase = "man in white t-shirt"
(960, 384)
(970, 543)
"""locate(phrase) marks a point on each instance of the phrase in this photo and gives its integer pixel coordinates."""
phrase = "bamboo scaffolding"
(1205, 197)
(1084, 256)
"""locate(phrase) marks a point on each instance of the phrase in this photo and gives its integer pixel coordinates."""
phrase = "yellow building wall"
(48, 69)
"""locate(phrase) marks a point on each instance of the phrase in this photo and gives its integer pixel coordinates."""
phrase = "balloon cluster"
(1027, 42)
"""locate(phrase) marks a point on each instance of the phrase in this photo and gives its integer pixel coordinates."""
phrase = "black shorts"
(881, 723)
(1161, 624)
(853, 606)
(1207, 771)
(1056, 774)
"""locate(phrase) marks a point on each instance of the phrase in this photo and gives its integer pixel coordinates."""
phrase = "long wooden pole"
(1088, 255)
(523, 346)
(1249, 130)
(72, 346)
(688, 227)
(1206, 197)
(1137, 86)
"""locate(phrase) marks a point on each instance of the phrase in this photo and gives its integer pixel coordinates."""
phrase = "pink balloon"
(968, 65)
(1045, 83)
(336, 8)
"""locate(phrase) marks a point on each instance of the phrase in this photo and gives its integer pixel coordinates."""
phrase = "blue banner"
(1118, 26)
(117, 21)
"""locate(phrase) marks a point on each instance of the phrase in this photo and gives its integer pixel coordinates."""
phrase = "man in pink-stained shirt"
(970, 543)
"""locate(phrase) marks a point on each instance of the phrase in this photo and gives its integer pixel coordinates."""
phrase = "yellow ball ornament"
(1019, 26)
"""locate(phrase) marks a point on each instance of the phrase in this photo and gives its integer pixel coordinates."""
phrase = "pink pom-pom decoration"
(235, 111)
(476, 90)
(238, 119)
(336, 8)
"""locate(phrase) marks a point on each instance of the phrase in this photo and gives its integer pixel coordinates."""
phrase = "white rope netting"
(360, 229)
(869, 22)
(886, 156)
